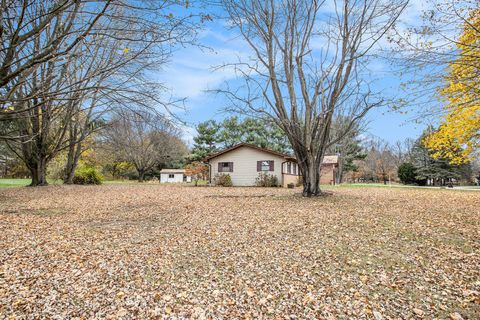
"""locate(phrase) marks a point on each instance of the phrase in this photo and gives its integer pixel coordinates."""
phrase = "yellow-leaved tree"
(458, 137)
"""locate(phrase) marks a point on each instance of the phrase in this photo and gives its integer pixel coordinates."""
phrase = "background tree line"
(68, 69)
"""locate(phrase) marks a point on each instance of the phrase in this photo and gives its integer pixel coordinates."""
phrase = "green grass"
(10, 183)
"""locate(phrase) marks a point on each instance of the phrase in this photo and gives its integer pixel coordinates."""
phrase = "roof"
(243, 144)
(172, 171)
(330, 160)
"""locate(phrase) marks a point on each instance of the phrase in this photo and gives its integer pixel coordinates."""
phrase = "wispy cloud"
(192, 71)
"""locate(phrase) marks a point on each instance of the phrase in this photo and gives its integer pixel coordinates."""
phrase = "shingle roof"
(330, 159)
(286, 156)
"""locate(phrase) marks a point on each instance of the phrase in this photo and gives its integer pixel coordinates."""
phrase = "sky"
(192, 74)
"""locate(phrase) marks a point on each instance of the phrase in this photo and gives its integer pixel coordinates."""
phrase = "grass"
(9, 183)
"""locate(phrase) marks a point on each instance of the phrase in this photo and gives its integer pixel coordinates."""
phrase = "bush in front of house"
(87, 176)
(266, 180)
(223, 180)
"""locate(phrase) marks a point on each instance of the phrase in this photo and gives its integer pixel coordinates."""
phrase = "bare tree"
(57, 102)
(35, 32)
(143, 139)
(309, 56)
(380, 163)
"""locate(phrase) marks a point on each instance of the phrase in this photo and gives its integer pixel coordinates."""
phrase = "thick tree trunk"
(141, 175)
(38, 171)
(74, 152)
(311, 179)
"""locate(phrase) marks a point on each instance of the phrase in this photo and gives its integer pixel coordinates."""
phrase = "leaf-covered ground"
(151, 251)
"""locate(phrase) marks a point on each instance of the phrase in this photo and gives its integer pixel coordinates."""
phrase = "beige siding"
(327, 174)
(245, 165)
(289, 178)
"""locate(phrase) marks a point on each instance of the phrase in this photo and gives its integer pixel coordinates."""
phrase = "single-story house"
(174, 176)
(244, 162)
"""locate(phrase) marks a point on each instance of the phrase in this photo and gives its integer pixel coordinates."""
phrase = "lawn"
(148, 251)
(9, 183)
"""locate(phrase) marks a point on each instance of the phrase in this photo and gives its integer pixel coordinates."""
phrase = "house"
(244, 162)
(174, 175)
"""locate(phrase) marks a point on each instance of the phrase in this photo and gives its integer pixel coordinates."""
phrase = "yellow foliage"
(458, 137)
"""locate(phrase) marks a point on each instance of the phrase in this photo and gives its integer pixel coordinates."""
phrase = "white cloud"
(191, 71)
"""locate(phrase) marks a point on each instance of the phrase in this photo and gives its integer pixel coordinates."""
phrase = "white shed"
(174, 176)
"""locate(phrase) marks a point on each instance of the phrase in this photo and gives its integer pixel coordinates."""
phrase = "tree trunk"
(141, 175)
(38, 171)
(74, 152)
(339, 173)
(311, 179)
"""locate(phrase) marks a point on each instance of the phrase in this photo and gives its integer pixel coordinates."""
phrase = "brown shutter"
(259, 166)
(272, 165)
(219, 167)
(230, 166)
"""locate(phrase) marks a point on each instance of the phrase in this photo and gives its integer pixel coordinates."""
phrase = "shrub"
(266, 180)
(407, 173)
(223, 180)
(87, 176)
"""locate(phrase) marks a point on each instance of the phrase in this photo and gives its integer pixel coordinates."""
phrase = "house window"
(225, 167)
(171, 176)
(289, 167)
(295, 169)
(265, 165)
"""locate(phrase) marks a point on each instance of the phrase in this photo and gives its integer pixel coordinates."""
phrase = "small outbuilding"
(174, 176)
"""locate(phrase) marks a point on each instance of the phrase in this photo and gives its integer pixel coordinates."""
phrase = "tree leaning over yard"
(308, 59)
(458, 137)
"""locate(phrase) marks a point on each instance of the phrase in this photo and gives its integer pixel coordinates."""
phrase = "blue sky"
(190, 75)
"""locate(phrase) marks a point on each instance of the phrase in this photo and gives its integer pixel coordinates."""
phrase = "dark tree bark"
(299, 87)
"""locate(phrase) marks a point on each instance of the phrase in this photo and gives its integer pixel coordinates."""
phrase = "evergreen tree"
(434, 170)
(213, 136)
(348, 148)
(407, 173)
(205, 142)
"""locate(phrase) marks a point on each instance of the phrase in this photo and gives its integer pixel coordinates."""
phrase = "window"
(295, 169)
(289, 167)
(171, 176)
(265, 165)
(225, 167)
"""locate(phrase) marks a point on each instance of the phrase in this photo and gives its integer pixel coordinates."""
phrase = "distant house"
(243, 162)
(174, 176)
